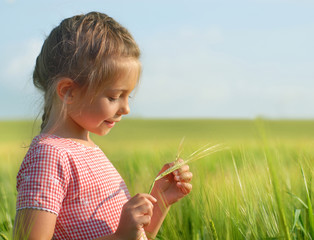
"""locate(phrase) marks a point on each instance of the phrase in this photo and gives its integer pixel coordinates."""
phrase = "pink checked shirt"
(76, 182)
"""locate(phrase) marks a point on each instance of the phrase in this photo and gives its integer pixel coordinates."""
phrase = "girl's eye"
(111, 99)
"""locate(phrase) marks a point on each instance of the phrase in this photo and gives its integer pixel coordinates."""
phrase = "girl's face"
(106, 109)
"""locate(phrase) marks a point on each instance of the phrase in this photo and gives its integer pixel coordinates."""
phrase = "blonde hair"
(91, 49)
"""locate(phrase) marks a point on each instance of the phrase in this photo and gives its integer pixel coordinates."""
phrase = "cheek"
(101, 109)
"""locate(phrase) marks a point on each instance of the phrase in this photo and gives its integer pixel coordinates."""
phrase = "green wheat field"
(259, 187)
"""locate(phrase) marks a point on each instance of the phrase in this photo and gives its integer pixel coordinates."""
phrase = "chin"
(103, 133)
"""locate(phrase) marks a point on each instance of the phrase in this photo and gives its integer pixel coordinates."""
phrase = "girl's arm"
(167, 191)
(34, 224)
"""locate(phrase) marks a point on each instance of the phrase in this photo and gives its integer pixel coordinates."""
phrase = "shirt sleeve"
(43, 179)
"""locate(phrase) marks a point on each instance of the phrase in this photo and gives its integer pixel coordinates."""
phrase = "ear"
(66, 89)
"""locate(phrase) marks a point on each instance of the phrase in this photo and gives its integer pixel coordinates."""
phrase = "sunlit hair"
(92, 50)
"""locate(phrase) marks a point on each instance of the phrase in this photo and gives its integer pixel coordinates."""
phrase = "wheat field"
(259, 187)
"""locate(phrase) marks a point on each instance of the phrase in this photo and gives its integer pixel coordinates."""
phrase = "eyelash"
(111, 99)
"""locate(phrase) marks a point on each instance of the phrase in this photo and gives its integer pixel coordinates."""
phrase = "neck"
(64, 126)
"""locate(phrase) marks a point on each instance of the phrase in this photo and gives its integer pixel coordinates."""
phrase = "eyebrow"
(117, 89)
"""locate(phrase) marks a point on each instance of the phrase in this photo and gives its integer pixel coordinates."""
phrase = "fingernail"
(177, 178)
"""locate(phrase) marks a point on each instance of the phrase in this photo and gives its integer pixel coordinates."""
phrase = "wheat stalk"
(198, 154)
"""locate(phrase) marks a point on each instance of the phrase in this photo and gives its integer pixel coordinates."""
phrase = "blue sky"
(201, 59)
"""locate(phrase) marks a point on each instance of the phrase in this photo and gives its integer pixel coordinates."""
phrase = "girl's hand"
(136, 214)
(174, 186)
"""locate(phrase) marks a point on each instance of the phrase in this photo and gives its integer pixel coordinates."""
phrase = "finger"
(145, 220)
(184, 177)
(145, 209)
(145, 204)
(184, 168)
(139, 198)
(185, 188)
(149, 197)
(180, 160)
(166, 166)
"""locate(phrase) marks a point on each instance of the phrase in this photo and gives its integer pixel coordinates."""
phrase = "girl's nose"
(125, 108)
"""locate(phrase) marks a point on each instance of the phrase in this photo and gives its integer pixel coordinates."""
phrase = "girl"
(67, 188)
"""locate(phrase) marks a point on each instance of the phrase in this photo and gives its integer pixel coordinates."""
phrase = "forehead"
(124, 82)
(126, 75)
(116, 73)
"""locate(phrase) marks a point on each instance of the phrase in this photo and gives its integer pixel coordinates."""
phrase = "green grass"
(261, 188)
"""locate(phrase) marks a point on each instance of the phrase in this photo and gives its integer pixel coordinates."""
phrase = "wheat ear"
(198, 154)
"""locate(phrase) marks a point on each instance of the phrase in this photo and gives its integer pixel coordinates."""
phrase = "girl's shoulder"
(52, 150)
(45, 147)
(46, 139)
(50, 142)
(58, 143)
(62, 146)
(47, 156)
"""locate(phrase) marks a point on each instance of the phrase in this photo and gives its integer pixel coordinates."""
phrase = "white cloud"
(21, 64)
(10, 1)
(19, 97)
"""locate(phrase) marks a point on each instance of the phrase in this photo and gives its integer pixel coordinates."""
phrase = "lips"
(110, 124)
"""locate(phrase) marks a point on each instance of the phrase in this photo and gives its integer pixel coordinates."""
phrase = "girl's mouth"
(110, 124)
